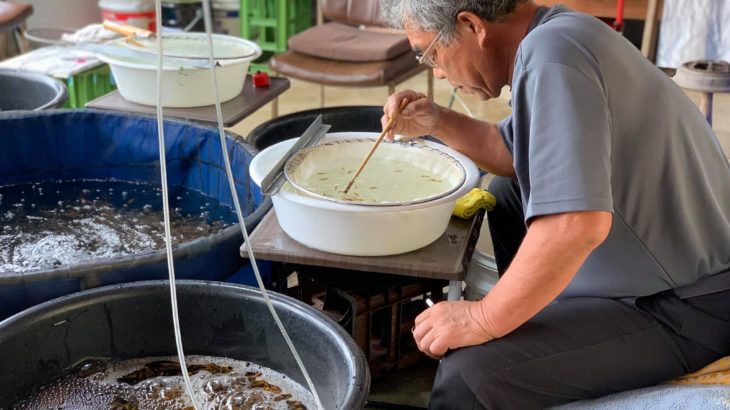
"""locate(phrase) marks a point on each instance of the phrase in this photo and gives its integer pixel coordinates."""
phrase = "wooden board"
(244, 104)
(446, 258)
(633, 9)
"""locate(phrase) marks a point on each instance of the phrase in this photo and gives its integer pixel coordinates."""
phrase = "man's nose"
(438, 73)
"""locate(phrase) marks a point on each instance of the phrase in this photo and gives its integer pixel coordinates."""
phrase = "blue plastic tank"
(99, 145)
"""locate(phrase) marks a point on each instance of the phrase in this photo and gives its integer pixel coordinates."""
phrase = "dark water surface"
(57, 223)
(157, 384)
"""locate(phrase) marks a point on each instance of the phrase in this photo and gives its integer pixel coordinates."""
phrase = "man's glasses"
(427, 56)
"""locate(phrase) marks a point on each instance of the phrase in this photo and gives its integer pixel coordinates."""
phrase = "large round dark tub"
(133, 320)
(30, 91)
(342, 119)
(95, 145)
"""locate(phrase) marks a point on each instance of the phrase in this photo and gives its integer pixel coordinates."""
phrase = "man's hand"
(419, 117)
(450, 325)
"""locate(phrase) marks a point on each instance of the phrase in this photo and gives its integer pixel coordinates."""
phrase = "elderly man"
(612, 232)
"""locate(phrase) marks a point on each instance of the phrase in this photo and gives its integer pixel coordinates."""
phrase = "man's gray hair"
(437, 15)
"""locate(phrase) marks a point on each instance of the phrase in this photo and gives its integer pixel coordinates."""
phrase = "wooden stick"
(387, 128)
(126, 30)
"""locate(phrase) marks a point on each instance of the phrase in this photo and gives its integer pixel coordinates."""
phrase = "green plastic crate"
(261, 63)
(270, 23)
(86, 86)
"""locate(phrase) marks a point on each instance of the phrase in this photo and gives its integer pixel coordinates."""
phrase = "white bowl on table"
(182, 86)
(357, 229)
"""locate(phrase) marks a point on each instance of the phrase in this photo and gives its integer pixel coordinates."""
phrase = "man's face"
(468, 64)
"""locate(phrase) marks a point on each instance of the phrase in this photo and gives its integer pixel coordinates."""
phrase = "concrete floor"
(411, 386)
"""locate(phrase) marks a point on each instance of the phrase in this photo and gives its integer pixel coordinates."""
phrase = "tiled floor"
(412, 385)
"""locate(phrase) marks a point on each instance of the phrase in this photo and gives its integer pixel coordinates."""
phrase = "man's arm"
(552, 251)
(479, 140)
(550, 255)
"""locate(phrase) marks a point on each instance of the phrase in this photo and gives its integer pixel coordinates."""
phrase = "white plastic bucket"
(137, 13)
(226, 18)
(136, 78)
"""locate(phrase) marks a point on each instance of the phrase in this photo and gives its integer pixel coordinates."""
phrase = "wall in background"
(63, 13)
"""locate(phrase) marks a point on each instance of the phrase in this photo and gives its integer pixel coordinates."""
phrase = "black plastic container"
(342, 119)
(30, 91)
(133, 320)
(185, 16)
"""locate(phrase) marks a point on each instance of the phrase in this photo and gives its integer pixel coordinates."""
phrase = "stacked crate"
(377, 310)
(88, 85)
(270, 23)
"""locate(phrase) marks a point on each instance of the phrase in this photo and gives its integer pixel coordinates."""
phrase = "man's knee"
(464, 376)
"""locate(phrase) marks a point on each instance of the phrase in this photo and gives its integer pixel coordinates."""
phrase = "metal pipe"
(706, 106)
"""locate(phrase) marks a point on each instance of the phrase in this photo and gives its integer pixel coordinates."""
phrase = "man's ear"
(469, 24)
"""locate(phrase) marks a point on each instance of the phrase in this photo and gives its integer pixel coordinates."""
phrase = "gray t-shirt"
(596, 126)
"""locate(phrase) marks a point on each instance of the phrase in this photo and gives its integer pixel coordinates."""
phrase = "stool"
(12, 17)
(706, 76)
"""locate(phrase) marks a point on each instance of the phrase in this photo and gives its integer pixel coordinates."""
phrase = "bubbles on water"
(58, 230)
(218, 384)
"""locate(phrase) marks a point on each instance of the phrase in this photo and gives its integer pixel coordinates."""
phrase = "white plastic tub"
(136, 77)
(358, 229)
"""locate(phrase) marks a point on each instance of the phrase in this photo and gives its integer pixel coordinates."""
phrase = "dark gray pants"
(579, 348)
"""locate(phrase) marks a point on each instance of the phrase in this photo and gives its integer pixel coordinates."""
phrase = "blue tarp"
(89, 144)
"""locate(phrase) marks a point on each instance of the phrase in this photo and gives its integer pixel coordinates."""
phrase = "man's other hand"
(450, 325)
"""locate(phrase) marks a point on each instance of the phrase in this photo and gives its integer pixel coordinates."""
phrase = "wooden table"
(244, 104)
(447, 258)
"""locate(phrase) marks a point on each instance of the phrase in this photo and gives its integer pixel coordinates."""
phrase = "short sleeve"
(566, 157)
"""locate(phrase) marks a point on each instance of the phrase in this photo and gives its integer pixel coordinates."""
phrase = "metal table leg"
(454, 290)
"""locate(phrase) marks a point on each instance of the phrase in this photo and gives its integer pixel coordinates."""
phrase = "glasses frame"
(425, 57)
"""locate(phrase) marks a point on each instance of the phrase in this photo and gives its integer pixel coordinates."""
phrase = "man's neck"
(516, 26)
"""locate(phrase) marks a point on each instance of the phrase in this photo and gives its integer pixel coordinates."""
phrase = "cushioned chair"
(12, 18)
(352, 49)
